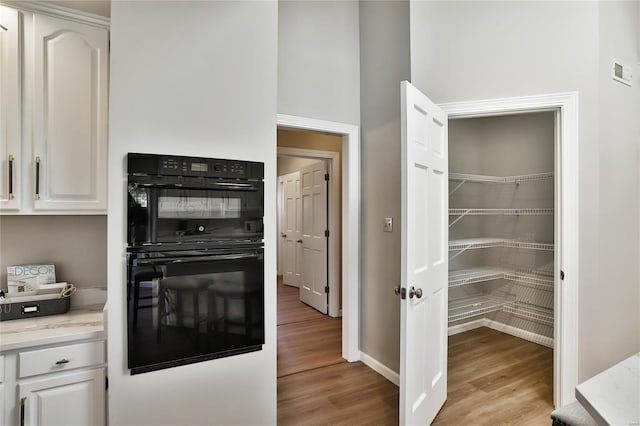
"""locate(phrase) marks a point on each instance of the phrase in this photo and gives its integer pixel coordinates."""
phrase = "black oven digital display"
(195, 262)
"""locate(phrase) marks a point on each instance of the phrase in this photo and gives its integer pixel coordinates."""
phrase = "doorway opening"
(344, 223)
(558, 276)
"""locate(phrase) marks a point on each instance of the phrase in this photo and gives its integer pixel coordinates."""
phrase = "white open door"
(291, 234)
(313, 282)
(425, 235)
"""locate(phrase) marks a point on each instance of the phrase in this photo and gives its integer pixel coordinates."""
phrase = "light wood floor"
(494, 378)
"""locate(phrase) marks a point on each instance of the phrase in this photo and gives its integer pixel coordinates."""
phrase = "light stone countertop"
(77, 324)
(613, 396)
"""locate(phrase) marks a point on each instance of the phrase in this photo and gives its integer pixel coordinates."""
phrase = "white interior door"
(292, 230)
(423, 334)
(313, 287)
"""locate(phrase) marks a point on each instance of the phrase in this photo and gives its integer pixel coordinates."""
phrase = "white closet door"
(423, 335)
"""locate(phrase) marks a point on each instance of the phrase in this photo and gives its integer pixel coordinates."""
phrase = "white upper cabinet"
(10, 152)
(70, 78)
(53, 111)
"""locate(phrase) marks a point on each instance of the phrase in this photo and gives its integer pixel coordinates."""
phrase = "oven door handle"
(193, 259)
(217, 185)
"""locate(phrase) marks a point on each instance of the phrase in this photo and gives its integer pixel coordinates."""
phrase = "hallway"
(315, 384)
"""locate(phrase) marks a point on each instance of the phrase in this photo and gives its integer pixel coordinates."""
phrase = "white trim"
(350, 223)
(280, 213)
(333, 160)
(504, 328)
(518, 332)
(380, 368)
(567, 246)
(56, 11)
(467, 326)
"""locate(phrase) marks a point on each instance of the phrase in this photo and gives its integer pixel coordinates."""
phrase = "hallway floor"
(494, 378)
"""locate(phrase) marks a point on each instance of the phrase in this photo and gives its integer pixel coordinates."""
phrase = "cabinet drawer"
(60, 358)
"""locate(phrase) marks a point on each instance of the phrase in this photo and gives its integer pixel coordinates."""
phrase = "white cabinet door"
(425, 235)
(70, 66)
(313, 284)
(74, 399)
(9, 110)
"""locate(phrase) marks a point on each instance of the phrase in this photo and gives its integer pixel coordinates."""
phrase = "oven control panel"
(172, 165)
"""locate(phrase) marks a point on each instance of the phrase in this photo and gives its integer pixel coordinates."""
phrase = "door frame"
(332, 162)
(567, 237)
(349, 169)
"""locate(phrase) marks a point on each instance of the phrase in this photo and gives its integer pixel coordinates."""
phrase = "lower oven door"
(192, 306)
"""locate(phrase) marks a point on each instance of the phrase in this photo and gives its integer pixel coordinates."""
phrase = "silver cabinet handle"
(11, 160)
(37, 178)
(62, 361)
(23, 401)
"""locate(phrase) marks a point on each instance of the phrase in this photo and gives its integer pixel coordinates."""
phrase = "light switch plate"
(388, 224)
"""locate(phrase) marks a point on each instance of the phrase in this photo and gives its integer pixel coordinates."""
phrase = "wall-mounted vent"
(622, 73)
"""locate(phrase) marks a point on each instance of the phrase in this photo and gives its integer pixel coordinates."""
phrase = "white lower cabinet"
(54, 385)
(64, 399)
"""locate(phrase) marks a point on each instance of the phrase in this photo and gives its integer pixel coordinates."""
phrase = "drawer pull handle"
(23, 401)
(62, 361)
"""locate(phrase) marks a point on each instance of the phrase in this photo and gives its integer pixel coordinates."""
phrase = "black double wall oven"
(195, 259)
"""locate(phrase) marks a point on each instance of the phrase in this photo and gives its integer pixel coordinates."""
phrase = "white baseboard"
(504, 328)
(461, 328)
(380, 368)
(518, 332)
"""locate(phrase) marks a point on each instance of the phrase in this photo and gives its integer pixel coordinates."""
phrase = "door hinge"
(326, 233)
(106, 382)
(326, 289)
(326, 177)
(562, 275)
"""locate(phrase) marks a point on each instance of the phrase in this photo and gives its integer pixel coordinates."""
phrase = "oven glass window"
(199, 208)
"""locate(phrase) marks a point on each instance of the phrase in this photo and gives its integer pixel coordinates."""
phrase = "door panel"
(314, 240)
(292, 222)
(69, 117)
(423, 335)
(10, 158)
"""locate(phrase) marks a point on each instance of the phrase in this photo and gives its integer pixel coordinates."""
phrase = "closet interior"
(501, 224)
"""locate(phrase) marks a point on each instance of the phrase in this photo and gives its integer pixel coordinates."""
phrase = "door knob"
(413, 292)
(396, 290)
(284, 235)
(299, 241)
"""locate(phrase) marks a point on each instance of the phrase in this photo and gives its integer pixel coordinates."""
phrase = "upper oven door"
(204, 210)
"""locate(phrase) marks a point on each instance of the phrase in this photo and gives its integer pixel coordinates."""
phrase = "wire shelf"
(466, 177)
(478, 275)
(469, 307)
(480, 243)
(530, 278)
(504, 212)
(530, 312)
(475, 243)
(472, 276)
(531, 245)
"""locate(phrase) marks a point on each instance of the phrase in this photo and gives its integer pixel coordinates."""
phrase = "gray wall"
(192, 78)
(77, 245)
(318, 67)
(611, 311)
(480, 50)
(384, 63)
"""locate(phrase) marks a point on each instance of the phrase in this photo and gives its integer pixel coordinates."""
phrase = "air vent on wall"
(622, 73)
